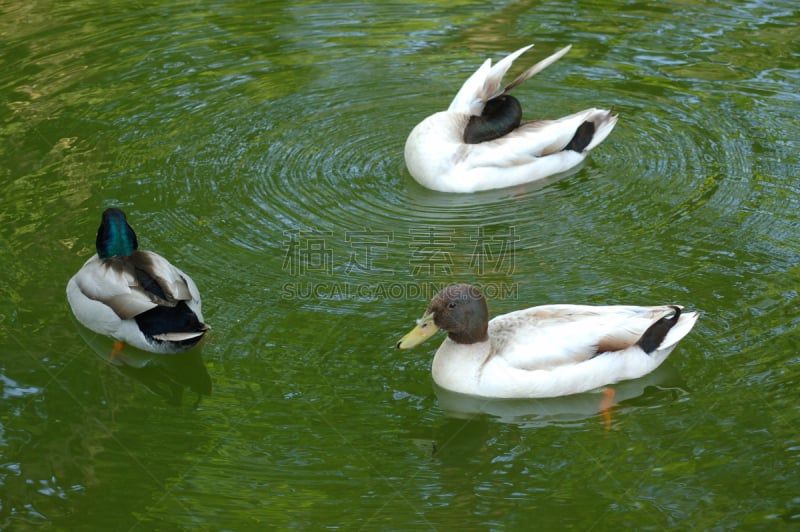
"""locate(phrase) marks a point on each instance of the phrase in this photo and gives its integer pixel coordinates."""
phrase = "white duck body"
(545, 351)
(138, 297)
(552, 350)
(438, 156)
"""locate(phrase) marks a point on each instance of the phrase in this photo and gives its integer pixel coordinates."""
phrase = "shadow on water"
(444, 205)
(167, 376)
(538, 413)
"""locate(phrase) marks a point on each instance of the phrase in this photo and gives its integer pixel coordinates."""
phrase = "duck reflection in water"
(165, 376)
(563, 410)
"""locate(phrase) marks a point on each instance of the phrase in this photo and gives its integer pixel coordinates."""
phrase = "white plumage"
(439, 155)
(544, 351)
(136, 297)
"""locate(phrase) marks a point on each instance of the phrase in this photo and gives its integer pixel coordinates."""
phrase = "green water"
(259, 147)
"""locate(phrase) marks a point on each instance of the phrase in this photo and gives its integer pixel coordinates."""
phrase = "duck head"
(500, 116)
(115, 238)
(459, 309)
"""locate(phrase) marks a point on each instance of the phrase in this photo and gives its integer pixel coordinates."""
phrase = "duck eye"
(451, 305)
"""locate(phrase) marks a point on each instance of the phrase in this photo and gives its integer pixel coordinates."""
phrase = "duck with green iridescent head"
(135, 297)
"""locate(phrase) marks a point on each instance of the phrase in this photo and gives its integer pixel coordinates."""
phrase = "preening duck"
(136, 297)
(481, 142)
(544, 351)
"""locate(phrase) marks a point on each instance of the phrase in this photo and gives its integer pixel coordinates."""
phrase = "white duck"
(545, 351)
(480, 142)
(136, 297)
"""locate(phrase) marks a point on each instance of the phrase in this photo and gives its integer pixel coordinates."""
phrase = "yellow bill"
(425, 329)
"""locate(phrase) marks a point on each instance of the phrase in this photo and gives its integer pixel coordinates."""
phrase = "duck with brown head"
(544, 351)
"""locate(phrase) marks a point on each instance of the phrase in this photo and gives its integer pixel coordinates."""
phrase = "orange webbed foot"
(606, 404)
(116, 350)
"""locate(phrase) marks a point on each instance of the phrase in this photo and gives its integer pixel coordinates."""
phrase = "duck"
(544, 351)
(480, 142)
(135, 297)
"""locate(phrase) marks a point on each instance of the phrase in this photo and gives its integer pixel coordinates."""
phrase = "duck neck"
(457, 367)
(468, 336)
(115, 238)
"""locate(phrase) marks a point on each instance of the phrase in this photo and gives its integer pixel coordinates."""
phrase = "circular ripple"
(271, 144)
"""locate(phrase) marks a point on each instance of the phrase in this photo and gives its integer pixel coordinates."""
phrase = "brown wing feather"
(170, 286)
(614, 343)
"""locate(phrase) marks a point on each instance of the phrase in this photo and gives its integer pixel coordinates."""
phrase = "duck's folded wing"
(550, 336)
(159, 277)
(528, 142)
(100, 281)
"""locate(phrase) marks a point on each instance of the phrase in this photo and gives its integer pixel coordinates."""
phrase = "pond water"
(259, 147)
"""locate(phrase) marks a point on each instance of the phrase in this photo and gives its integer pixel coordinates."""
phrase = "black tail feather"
(656, 333)
(163, 319)
(582, 138)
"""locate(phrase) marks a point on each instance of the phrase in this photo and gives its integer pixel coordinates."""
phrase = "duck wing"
(538, 67)
(112, 282)
(177, 316)
(534, 140)
(160, 279)
(551, 336)
(133, 285)
(486, 82)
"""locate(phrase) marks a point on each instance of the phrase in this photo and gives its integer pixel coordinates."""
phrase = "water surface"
(259, 146)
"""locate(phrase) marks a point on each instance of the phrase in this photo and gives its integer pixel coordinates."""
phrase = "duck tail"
(655, 335)
(593, 131)
(178, 324)
(582, 137)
